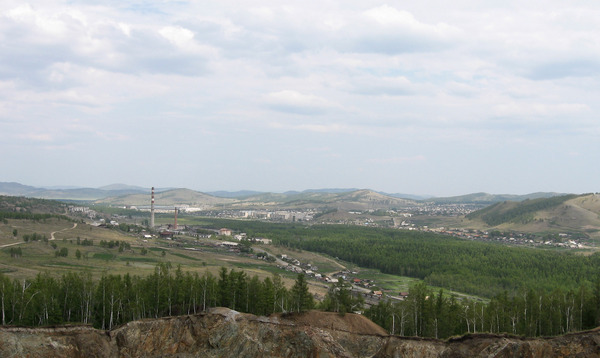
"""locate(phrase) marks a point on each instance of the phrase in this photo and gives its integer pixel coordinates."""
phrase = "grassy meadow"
(39, 256)
(140, 256)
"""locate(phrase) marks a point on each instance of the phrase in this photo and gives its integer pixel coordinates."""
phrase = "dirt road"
(51, 236)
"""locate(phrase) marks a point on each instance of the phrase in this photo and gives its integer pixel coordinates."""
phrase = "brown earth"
(329, 320)
(226, 333)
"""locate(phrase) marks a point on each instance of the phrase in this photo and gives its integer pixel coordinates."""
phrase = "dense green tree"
(116, 299)
(253, 303)
(301, 299)
(223, 287)
(267, 297)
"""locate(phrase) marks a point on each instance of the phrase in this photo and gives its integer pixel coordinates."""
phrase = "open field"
(39, 256)
(28, 227)
(193, 255)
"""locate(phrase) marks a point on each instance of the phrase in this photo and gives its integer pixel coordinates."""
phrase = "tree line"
(116, 299)
(4, 215)
(529, 313)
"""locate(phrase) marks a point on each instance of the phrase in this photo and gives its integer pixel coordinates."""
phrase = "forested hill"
(486, 198)
(507, 211)
(17, 204)
(478, 268)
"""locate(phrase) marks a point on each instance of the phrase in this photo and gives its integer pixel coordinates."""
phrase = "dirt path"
(13, 244)
(54, 232)
(51, 237)
(342, 267)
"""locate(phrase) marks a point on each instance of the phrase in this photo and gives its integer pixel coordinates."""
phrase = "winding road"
(54, 232)
(51, 236)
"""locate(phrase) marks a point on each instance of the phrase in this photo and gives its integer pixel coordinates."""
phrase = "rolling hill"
(344, 200)
(168, 198)
(20, 204)
(16, 189)
(353, 200)
(486, 198)
(571, 213)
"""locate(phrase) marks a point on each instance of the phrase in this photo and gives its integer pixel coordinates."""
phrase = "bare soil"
(349, 322)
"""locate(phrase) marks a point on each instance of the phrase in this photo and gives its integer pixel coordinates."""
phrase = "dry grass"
(40, 256)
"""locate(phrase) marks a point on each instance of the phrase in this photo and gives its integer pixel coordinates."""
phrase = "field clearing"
(29, 227)
(387, 282)
(393, 284)
(193, 255)
(39, 256)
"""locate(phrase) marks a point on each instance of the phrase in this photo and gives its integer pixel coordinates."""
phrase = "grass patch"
(268, 268)
(104, 256)
(66, 264)
(185, 256)
(138, 259)
(386, 281)
(395, 284)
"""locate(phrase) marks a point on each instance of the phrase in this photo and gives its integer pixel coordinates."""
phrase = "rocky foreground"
(226, 333)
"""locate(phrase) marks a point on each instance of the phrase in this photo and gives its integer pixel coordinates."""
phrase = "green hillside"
(18, 204)
(522, 212)
(486, 198)
(567, 213)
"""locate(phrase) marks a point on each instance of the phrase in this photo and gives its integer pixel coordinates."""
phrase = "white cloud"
(296, 102)
(37, 137)
(44, 24)
(525, 110)
(177, 35)
(398, 160)
(378, 85)
(405, 77)
(324, 128)
(387, 30)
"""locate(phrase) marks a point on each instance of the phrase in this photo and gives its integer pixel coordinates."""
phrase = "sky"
(430, 97)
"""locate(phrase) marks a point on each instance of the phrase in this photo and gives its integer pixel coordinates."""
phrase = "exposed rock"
(226, 333)
(60, 341)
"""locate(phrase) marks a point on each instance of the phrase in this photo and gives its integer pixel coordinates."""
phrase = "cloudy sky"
(430, 97)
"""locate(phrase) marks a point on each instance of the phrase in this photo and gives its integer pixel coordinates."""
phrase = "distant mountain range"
(120, 194)
(16, 189)
(536, 212)
(72, 193)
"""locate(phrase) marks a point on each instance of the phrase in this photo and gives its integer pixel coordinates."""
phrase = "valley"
(386, 258)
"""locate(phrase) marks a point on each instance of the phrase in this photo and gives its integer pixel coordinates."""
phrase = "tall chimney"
(152, 210)
(176, 210)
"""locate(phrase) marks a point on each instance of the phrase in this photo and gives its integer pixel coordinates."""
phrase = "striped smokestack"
(176, 210)
(152, 210)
